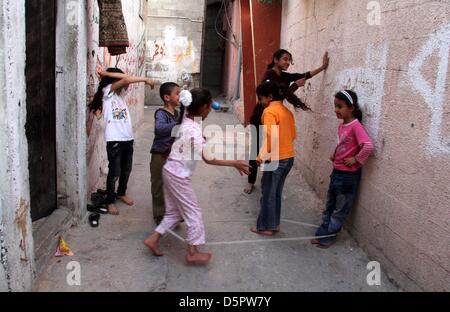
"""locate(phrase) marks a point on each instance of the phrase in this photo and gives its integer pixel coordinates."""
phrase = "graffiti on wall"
(173, 55)
(132, 63)
(434, 95)
(368, 82)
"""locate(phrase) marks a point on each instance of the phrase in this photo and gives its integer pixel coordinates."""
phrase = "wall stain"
(21, 220)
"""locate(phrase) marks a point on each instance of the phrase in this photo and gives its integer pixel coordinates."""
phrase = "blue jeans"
(341, 196)
(272, 189)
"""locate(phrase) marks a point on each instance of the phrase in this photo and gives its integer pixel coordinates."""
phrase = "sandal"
(94, 219)
(97, 209)
(101, 192)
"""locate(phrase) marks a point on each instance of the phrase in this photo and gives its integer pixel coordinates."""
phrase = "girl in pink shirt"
(179, 197)
(353, 149)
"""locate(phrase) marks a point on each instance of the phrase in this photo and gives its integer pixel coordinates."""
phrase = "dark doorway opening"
(214, 47)
(41, 107)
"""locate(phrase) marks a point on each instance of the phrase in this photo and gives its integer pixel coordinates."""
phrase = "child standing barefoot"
(181, 202)
(278, 149)
(109, 101)
(350, 155)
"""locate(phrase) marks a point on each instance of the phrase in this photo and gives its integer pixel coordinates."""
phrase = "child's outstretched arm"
(124, 80)
(326, 61)
(242, 167)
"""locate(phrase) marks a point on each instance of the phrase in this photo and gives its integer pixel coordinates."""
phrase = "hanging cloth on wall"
(112, 29)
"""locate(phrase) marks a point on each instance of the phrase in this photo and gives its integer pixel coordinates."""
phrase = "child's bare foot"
(198, 258)
(249, 188)
(152, 243)
(112, 209)
(126, 200)
(264, 233)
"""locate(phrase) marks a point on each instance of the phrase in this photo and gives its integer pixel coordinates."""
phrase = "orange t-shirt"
(279, 133)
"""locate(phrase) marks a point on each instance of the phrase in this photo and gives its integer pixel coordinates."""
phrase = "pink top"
(187, 150)
(353, 142)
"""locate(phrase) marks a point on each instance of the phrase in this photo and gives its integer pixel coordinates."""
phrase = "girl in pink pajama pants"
(180, 199)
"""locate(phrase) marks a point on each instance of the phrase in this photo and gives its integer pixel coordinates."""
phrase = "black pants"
(252, 163)
(120, 158)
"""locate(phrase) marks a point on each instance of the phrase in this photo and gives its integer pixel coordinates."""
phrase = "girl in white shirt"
(109, 102)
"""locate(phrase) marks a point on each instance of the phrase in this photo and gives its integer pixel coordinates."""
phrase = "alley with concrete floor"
(113, 257)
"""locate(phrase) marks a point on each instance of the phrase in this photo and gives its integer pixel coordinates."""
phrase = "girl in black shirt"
(290, 82)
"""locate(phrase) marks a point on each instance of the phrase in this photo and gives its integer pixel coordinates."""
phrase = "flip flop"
(97, 209)
(97, 198)
(101, 192)
(94, 219)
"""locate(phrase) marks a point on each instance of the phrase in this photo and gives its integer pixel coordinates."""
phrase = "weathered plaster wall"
(16, 243)
(174, 40)
(133, 63)
(399, 69)
(71, 45)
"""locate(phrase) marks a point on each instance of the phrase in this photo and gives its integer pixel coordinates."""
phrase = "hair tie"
(348, 96)
(186, 98)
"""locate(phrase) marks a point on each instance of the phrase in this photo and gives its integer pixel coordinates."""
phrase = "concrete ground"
(113, 257)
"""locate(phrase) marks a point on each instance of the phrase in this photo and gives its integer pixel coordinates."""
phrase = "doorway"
(40, 126)
(214, 47)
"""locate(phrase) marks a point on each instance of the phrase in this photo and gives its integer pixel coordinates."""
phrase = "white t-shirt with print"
(117, 117)
(187, 150)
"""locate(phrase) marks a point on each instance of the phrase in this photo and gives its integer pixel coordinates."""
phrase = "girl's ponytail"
(193, 101)
(182, 111)
(97, 102)
(271, 65)
(357, 113)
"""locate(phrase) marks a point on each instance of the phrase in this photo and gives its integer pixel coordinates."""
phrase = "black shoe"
(101, 209)
(97, 198)
(101, 192)
(94, 219)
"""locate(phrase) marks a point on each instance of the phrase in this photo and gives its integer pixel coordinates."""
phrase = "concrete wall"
(71, 45)
(133, 63)
(399, 69)
(174, 40)
(16, 243)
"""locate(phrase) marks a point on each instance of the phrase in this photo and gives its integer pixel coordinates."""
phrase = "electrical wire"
(224, 7)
